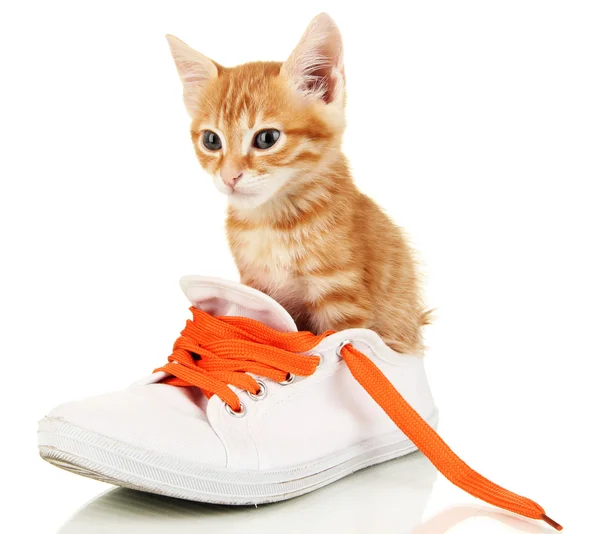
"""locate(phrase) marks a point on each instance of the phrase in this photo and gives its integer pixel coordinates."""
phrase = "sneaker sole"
(96, 456)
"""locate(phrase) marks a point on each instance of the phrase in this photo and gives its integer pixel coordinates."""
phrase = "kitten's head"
(259, 129)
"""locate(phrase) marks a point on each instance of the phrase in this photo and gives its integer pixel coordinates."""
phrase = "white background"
(475, 124)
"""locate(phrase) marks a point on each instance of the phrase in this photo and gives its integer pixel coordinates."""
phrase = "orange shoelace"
(213, 352)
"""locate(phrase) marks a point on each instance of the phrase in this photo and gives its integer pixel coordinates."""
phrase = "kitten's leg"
(295, 309)
(338, 314)
(248, 281)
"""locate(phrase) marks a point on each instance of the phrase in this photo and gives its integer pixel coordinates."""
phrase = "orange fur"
(298, 227)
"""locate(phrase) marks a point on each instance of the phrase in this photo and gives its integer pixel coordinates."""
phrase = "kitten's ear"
(195, 71)
(316, 67)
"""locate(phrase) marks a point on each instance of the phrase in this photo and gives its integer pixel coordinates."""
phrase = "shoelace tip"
(551, 522)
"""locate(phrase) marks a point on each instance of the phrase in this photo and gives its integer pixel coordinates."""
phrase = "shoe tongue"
(222, 297)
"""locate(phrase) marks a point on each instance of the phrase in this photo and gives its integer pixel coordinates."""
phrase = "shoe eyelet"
(338, 351)
(233, 413)
(290, 378)
(262, 392)
(321, 358)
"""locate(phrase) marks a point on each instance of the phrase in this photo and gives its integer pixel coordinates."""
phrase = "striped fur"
(298, 227)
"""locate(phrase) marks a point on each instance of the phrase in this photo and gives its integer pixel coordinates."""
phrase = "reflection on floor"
(390, 498)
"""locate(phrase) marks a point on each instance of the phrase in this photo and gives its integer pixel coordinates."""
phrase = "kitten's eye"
(211, 140)
(266, 138)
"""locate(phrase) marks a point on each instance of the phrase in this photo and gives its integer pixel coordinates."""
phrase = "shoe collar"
(223, 297)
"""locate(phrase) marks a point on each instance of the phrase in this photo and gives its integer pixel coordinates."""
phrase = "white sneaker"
(270, 436)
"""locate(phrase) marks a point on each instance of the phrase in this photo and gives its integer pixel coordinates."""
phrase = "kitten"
(270, 135)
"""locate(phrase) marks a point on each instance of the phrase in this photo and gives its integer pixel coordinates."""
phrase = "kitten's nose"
(230, 175)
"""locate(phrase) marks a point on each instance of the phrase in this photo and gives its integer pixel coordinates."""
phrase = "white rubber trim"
(93, 455)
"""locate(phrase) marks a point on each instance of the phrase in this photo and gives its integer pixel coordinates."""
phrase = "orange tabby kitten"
(270, 135)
